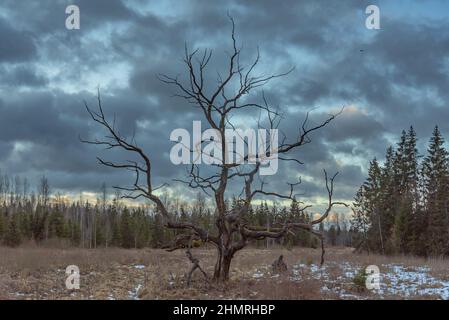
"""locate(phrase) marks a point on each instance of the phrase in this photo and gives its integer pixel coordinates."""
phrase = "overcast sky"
(388, 79)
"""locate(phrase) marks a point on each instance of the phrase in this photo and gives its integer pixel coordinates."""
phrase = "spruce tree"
(388, 199)
(2, 226)
(360, 222)
(157, 231)
(407, 211)
(13, 237)
(405, 188)
(127, 239)
(56, 225)
(372, 206)
(435, 183)
(412, 197)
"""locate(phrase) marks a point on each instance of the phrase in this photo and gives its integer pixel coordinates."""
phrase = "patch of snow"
(416, 281)
(258, 275)
(395, 279)
(19, 294)
(134, 295)
(139, 266)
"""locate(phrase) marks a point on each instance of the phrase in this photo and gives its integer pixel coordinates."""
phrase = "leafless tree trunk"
(44, 197)
(376, 210)
(219, 107)
(104, 196)
(44, 191)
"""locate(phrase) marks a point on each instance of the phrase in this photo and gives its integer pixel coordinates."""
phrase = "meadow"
(39, 273)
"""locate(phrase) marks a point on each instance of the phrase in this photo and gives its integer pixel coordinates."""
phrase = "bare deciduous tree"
(219, 108)
(44, 191)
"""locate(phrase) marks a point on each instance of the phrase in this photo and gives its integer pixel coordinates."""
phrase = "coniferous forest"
(43, 218)
(402, 208)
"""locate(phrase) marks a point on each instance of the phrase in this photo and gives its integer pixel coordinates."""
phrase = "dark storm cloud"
(48, 126)
(15, 46)
(105, 10)
(22, 76)
(5, 149)
(388, 80)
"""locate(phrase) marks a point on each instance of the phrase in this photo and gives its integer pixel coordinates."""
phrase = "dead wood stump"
(279, 265)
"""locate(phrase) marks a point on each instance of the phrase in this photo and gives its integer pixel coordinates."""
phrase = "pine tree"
(139, 228)
(13, 237)
(435, 182)
(388, 199)
(56, 225)
(116, 237)
(157, 231)
(411, 158)
(413, 196)
(360, 222)
(100, 232)
(407, 211)
(332, 235)
(372, 194)
(3, 225)
(301, 237)
(406, 189)
(25, 225)
(126, 229)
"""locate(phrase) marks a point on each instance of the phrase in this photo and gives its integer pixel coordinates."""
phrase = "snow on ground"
(139, 266)
(335, 280)
(134, 294)
(412, 282)
(395, 280)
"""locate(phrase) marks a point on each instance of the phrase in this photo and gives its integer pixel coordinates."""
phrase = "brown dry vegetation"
(39, 273)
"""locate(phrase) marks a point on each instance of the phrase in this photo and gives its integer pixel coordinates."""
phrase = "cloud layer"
(388, 79)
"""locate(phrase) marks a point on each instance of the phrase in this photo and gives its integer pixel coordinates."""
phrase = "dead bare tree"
(232, 232)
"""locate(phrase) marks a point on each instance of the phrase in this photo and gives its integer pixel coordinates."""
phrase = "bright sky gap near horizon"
(388, 79)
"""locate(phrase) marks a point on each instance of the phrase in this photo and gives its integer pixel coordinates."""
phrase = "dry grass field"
(39, 273)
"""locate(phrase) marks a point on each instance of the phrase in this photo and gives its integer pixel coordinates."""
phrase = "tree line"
(40, 216)
(402, 207)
